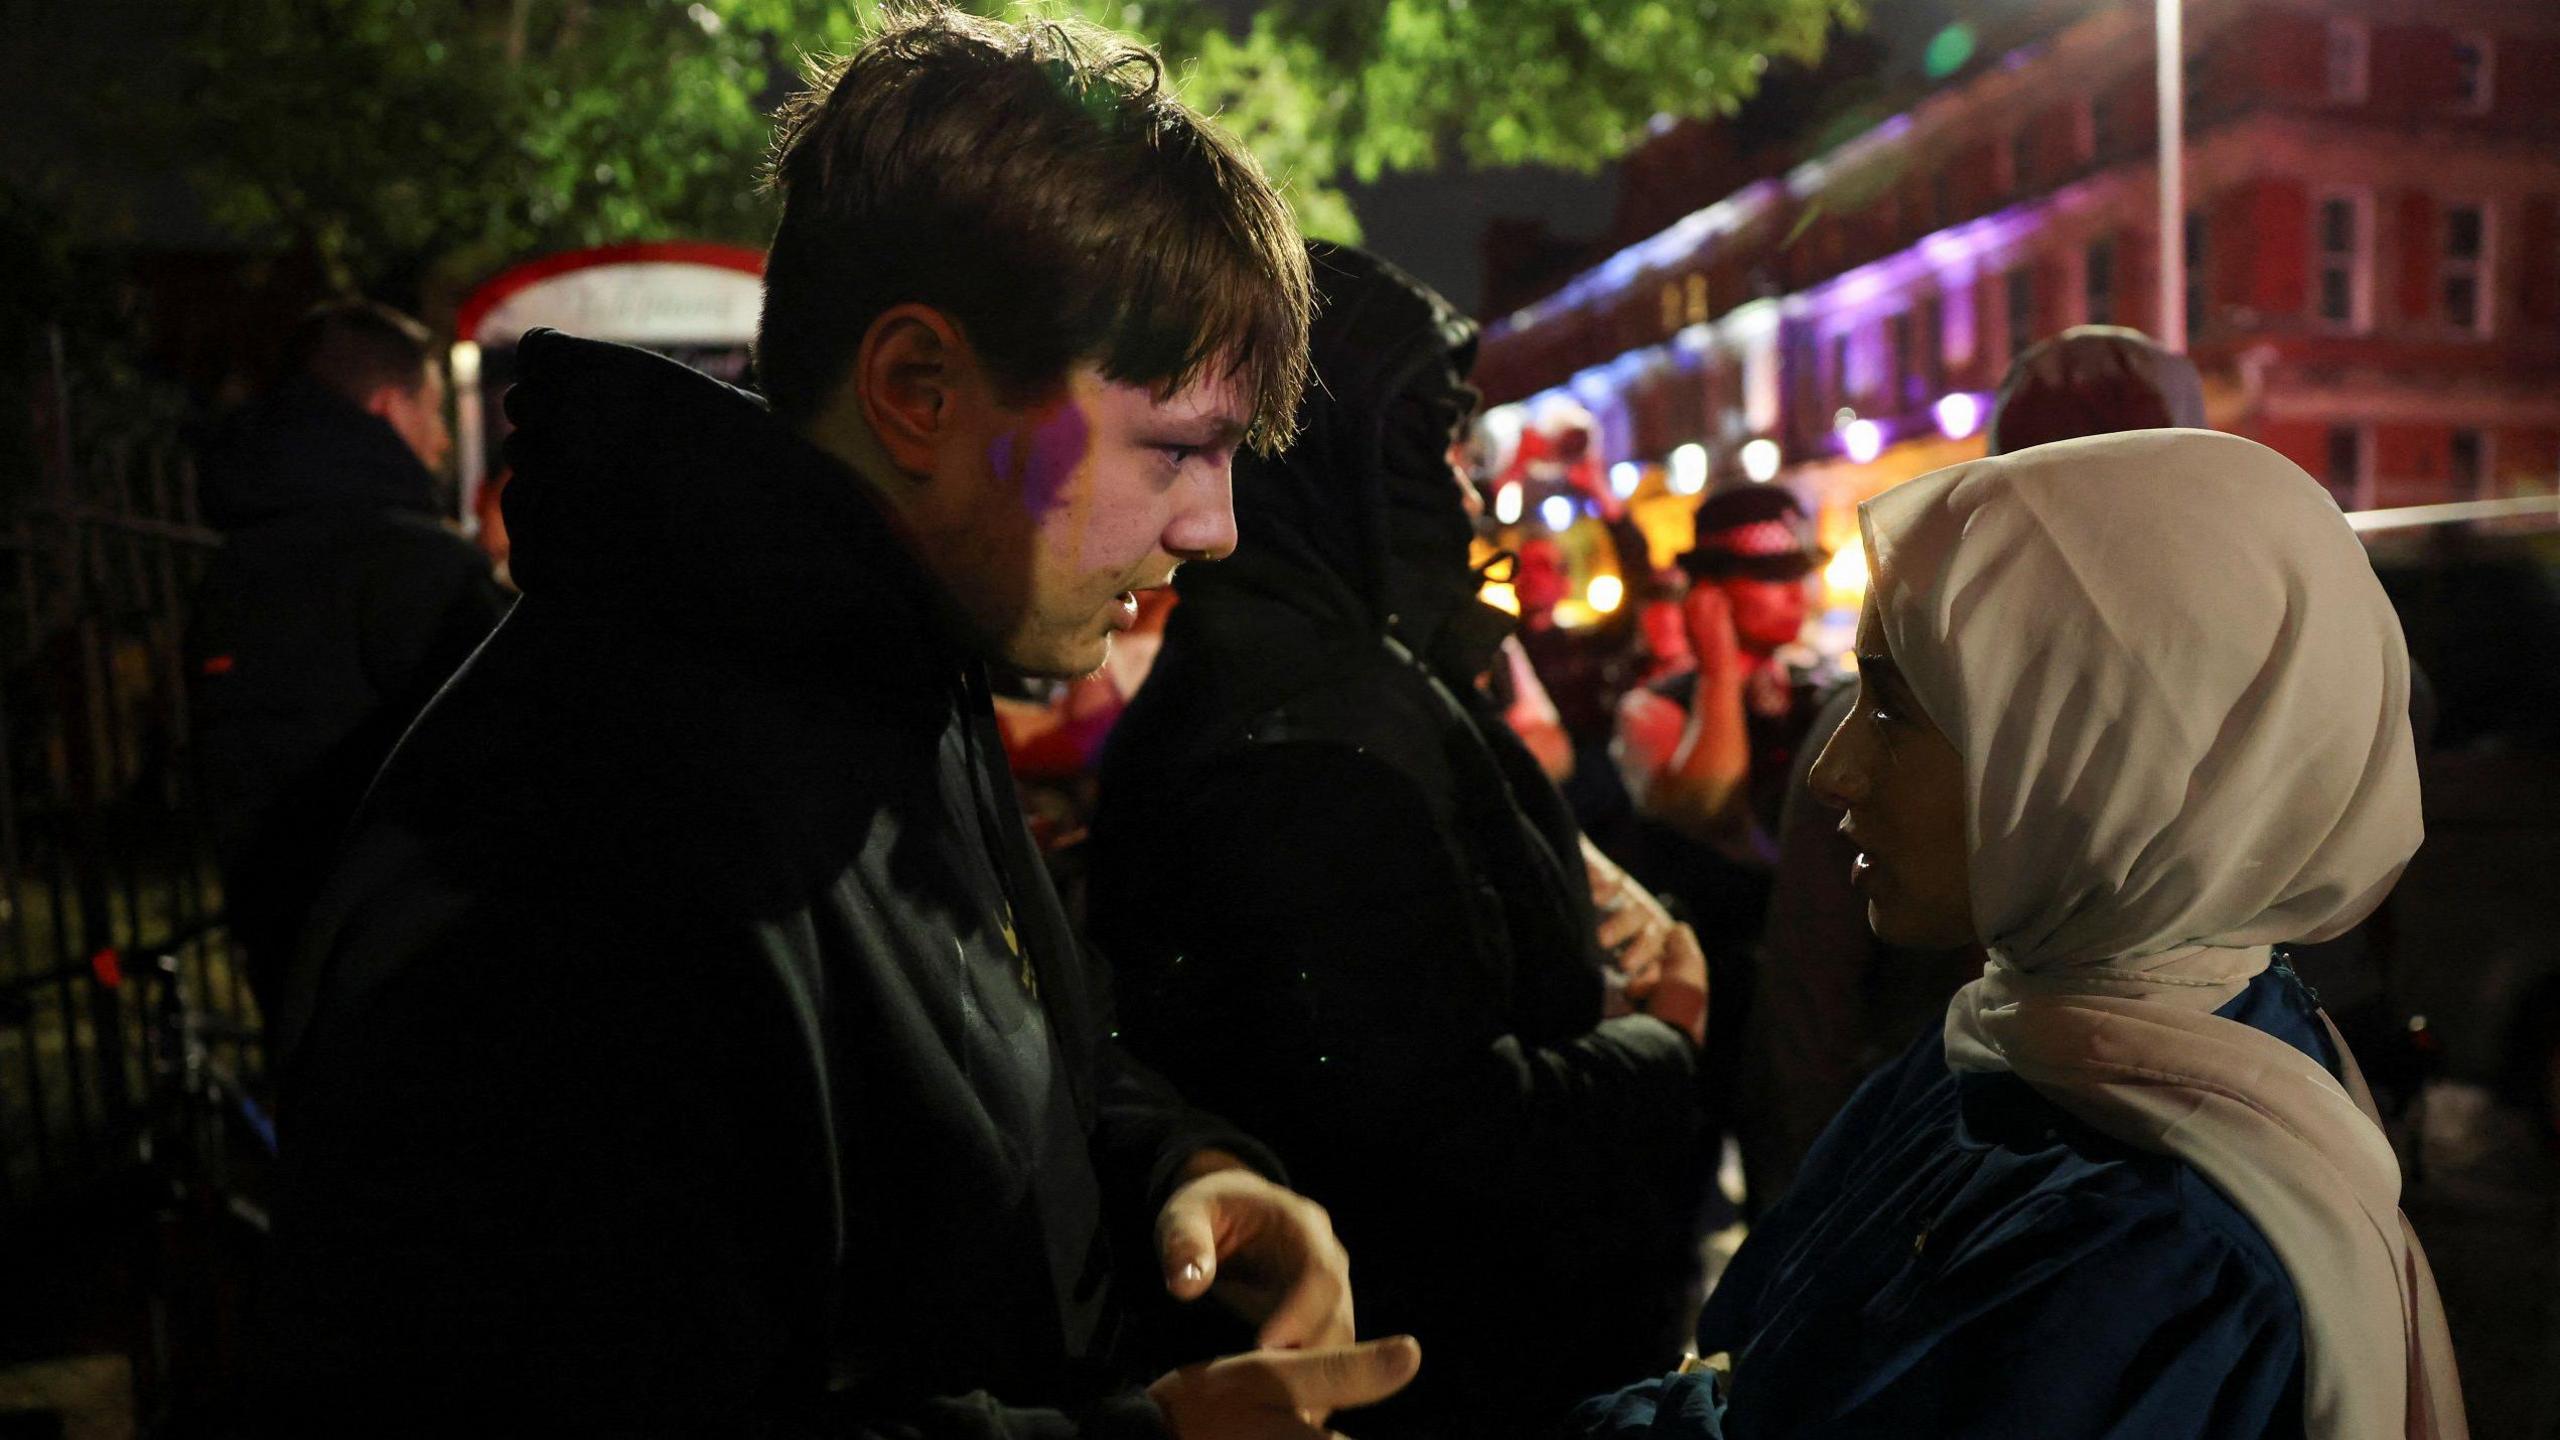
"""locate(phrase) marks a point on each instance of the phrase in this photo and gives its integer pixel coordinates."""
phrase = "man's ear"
(911, 376)
(384, 401)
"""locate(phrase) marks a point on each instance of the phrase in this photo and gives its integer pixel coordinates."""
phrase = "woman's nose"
(1837, 780)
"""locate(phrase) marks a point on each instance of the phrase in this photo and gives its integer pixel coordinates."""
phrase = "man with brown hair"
(690, 1039)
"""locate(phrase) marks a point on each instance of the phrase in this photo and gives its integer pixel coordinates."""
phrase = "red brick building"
(2372, 234)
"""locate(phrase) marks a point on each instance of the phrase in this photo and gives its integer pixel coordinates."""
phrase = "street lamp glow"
(1959, 415)
(1863, 440)
(1557, 511)
(1689, 469)
(1607, 592)
(1506, 504)
(1623, 479)
(1846, 576)
(1760, 460)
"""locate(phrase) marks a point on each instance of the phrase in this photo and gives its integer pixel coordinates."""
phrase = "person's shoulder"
(418, 538)
(2125, 1212)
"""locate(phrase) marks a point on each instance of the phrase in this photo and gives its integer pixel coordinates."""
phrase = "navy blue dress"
(1961, 1258)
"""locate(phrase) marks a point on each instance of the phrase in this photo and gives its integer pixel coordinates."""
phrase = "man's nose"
(1205, 527)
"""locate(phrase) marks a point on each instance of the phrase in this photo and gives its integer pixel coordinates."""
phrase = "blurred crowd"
(1527, 959)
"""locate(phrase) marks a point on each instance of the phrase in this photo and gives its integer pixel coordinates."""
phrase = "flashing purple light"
(1959, 415)
(1863, 440)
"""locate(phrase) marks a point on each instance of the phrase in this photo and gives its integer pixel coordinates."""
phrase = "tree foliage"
(418, 143)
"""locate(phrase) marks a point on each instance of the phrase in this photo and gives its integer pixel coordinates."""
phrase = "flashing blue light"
(1557, 511)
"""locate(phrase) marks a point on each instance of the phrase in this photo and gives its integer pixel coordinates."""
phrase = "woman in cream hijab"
(2133, 711)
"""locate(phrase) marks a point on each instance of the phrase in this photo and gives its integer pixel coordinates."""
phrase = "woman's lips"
(1123, 612)
(1861, 870)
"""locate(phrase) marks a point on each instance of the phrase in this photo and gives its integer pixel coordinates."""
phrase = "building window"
(1898, 356)
(1920, 362)
(2470, 464)
(2098, 283)
(2196, 287)
(2103, 127)
(1942, 201)
(2474, 64)
(2464, 284)
(1960, 315)
(2345, 473)
(1842, 392)
(2350, 56)
(2342, 258)
(2021, 286)
(2006, 172)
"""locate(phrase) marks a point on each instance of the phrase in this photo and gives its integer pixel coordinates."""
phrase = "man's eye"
(1180, 454)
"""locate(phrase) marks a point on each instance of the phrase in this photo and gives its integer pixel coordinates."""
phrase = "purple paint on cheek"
(1042, 457)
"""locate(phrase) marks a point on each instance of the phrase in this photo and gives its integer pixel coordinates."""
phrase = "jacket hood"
(648, 489)
(1332, 525)
(305, 449)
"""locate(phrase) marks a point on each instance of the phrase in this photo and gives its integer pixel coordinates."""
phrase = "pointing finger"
(1187, 1245)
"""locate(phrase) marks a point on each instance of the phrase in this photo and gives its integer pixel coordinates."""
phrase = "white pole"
(463, 370)
(2173, 178)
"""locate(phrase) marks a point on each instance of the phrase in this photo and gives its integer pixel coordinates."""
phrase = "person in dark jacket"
(691, 1041)
(337, 604)
(1349, 910)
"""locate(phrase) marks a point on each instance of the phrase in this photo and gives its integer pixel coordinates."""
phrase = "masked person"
(691, 1041)
(1348, 910)
(1704, 751)
(1831, 1002)
(2135, 1185)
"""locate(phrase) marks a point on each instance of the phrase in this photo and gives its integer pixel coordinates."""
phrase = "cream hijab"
(2182, 703)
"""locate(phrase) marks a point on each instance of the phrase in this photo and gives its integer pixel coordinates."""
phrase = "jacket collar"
(651, 491)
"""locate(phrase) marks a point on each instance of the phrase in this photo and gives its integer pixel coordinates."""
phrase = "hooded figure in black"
(336, 606)
(1345, 905)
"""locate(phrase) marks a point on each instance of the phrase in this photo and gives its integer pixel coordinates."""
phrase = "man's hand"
(1679, 994)
(1282, 1394)
(1269, 1253)
(1634, 927)
(1712, 636)
(1650, 727)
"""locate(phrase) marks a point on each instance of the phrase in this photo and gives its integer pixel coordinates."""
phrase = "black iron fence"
(117, 986)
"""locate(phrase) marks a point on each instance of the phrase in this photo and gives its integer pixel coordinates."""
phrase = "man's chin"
(1064, 661)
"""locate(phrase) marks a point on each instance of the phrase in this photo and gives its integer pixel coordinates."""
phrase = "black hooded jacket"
(692, 1041)
(334, 609)
(1345, 903)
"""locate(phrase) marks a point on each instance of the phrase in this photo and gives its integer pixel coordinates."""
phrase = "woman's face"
(1901, 784)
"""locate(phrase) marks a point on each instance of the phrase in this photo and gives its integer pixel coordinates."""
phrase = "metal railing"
(110, 910)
